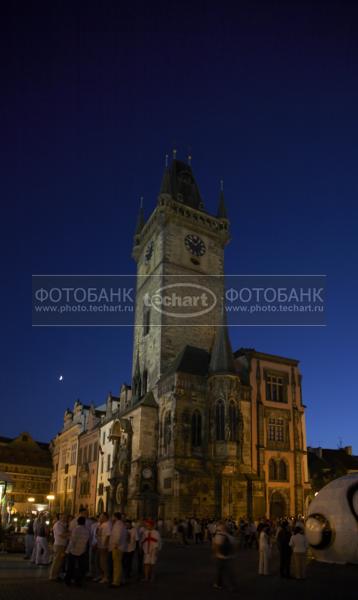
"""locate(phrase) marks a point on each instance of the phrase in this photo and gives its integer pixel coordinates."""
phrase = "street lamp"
(50, 497)
(30, 500)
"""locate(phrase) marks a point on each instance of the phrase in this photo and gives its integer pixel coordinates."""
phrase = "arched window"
(167, 433)
(220, 421)
(272, 470)
(196, 429)
(282, 471)
(232, 422)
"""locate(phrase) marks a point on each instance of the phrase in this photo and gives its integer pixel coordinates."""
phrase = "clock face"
(195, 245)
(149, 251)
(147, 473)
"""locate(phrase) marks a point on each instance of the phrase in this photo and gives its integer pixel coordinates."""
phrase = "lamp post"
(30, 500)
(50, 498)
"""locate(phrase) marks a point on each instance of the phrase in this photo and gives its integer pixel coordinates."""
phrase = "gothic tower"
(179, 248)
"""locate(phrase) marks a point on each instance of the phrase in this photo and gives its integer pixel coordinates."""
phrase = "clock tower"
(179, 253)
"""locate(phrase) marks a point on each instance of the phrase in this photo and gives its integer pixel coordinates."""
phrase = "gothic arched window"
(167, 433)
(232, 421)
(196, 429)
(282, 471)
(272, 470)
(220, 421)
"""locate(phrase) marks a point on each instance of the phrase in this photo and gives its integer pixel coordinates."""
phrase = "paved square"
(185, 573)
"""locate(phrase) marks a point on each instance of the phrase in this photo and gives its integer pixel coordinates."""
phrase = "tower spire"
(140, 220)
(166, 187)
(222, 213)
(222, 358)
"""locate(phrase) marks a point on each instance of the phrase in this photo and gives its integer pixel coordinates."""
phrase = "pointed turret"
(137, 383)
(222, 213)
(140, 220)
(166, 187)
(222, 358)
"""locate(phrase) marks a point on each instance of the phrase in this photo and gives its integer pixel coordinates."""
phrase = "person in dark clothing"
(283, 544)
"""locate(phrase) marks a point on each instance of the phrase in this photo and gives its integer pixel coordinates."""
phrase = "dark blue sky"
(94, 95)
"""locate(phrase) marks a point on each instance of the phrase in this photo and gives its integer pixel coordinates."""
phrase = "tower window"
(196, 429)
(220, 421)
(167, 432)
(232, 421)
(146, 320)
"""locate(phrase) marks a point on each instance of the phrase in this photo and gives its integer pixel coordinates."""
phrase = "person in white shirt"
(299, 545)
(117, 545)
(103, 535)
(151, 544)
(77, 553)
(264, 550)
(60, 534)
(93, 550)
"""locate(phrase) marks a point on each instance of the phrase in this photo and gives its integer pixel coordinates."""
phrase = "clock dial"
(149, 251)
(147, 473)
(195, 245)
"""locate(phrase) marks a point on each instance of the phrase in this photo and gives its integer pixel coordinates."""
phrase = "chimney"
(318, 452)
(348, 450)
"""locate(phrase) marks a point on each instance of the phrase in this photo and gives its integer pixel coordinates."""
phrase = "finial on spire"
(222, 214)
(141, 202)
(189, 156)
(166, 161)
(140, 220)
(174, 153)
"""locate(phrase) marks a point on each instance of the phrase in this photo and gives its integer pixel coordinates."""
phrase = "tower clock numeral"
(149, 251)
(195, 245)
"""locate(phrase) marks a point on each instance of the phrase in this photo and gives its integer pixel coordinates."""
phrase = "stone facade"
(25, 472)
(202, 430)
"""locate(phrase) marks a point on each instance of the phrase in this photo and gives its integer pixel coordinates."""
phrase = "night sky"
(93, 95)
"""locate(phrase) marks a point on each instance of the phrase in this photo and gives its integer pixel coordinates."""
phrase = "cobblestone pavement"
(185, 573)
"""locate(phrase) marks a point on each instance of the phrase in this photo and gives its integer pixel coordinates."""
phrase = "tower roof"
(222, 212)
(178, 181)
(222, 358)
(141, 219)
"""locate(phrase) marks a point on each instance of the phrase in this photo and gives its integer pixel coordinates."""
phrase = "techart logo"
(182, 300)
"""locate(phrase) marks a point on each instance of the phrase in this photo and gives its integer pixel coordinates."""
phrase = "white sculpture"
(332, 521)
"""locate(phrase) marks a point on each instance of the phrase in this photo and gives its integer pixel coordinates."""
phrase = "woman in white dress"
(264, 550)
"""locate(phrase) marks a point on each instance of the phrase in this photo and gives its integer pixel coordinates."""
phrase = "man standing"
(103, 535)
(77, 553)
(283, 544)
(60, 535)
(224, 552)
(117, 545)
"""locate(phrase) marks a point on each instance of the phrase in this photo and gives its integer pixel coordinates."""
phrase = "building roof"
(338, 460)
(24, 450)
(178, 182)
(192, 360)
(222, 358)
(252, 353)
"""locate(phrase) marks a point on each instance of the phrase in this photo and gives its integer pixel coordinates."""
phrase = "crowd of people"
(100, 548)
(114, 550)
